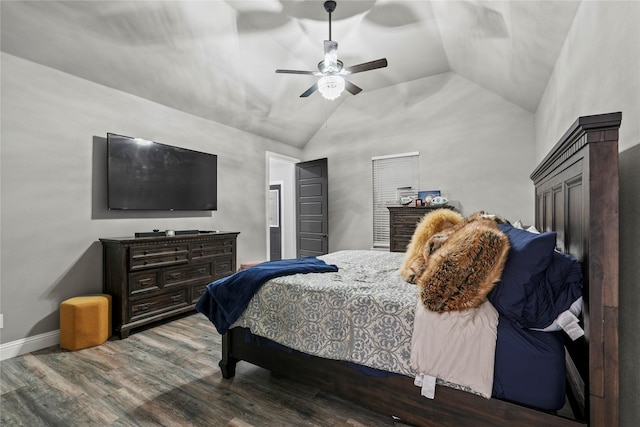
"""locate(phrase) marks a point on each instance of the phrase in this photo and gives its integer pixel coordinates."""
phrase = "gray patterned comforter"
(363, 313)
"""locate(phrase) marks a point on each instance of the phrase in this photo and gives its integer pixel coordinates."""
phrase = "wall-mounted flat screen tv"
(146, 175)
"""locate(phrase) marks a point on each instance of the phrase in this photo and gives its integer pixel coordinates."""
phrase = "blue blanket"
(227, 298)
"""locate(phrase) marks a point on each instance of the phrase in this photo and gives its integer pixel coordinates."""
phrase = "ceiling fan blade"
(296, 72)
(366, 66)
(351, 88)
(309, 91)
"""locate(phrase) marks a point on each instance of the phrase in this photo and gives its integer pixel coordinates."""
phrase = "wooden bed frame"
(576, 193)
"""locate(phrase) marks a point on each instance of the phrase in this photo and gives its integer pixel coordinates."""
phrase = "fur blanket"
(431, 224)
(459, 263)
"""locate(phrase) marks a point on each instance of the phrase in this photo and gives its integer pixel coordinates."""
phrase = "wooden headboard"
(576, 193)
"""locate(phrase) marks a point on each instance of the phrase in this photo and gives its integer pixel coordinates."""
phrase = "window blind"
(391, 175)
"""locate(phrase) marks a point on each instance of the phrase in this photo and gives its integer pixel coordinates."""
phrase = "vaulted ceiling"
(217, 59)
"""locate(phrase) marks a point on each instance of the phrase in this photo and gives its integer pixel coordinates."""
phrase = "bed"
(576, 196)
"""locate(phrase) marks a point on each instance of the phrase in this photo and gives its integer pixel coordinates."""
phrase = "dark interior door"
(312, 215)
(275, 223)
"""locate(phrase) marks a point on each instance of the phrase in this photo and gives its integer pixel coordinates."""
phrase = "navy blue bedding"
(227, 298)
(537, 282)
(529, 367)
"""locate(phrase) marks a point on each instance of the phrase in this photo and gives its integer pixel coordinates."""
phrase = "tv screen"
(146, 175)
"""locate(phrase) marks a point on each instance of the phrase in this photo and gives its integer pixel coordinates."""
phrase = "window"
(391, 174)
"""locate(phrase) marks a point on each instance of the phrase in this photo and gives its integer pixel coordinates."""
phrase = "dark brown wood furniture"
(577, 196)
(152, 278)
(576, 188)
(402, 223)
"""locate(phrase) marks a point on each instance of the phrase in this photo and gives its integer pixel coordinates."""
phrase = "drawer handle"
(176, 298)
(202, 291)
(145, 253)
(143, 307)
(144, 281)
(202, 270)
(175, 275)
(177, 249)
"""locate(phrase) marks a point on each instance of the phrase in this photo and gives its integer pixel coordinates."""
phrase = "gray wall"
(54, 211)
(598, 71)
(469, 140)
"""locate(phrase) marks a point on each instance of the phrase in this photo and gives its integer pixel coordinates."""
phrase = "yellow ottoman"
(85, 321)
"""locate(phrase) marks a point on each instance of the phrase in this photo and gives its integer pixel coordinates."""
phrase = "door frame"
(284, 174)
(277, 187)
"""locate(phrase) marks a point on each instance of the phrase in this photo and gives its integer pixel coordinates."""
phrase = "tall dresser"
(153, 278)
(402, 224)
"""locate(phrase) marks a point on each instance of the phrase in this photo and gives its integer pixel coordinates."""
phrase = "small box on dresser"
(153, 278)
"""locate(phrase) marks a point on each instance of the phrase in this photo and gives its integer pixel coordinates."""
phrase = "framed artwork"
(428, 193)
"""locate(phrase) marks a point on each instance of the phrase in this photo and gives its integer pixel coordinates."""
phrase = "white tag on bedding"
(569, 323)
(418, 380)
(428, 387)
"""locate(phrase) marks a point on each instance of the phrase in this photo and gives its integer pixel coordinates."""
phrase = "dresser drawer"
(145, 307)
(404, 231)
(408, 218)
(178, 275)
(399, 244)
(197, 291)
(157, 256)
(143, 281)
(223, 267)
(211, 248)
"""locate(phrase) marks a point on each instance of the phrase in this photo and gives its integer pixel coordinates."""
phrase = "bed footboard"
(394, 395)
(227, 363)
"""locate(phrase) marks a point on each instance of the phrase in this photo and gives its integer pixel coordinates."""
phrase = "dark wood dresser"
(152, 278)
(402, 224)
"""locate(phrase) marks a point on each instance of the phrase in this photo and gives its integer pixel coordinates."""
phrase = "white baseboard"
(27, 345)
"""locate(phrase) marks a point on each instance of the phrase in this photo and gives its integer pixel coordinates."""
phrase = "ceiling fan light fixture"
(331, 87)
(331, 70)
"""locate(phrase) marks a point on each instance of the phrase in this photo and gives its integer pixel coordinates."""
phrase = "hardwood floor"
(166, 375)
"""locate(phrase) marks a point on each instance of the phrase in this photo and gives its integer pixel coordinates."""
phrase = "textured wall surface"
(598, 71)
(476, 147)
(54, 129)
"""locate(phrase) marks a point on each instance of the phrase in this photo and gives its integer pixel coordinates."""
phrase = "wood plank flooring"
(166, 375)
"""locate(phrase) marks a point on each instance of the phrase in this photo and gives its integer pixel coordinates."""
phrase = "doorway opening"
(281, 172)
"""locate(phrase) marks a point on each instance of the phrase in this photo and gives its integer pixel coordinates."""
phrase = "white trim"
(29, 344)
(288, 218)
(393, 156)
(281, 157)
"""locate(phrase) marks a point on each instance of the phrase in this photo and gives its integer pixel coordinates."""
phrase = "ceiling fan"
(331, 70)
